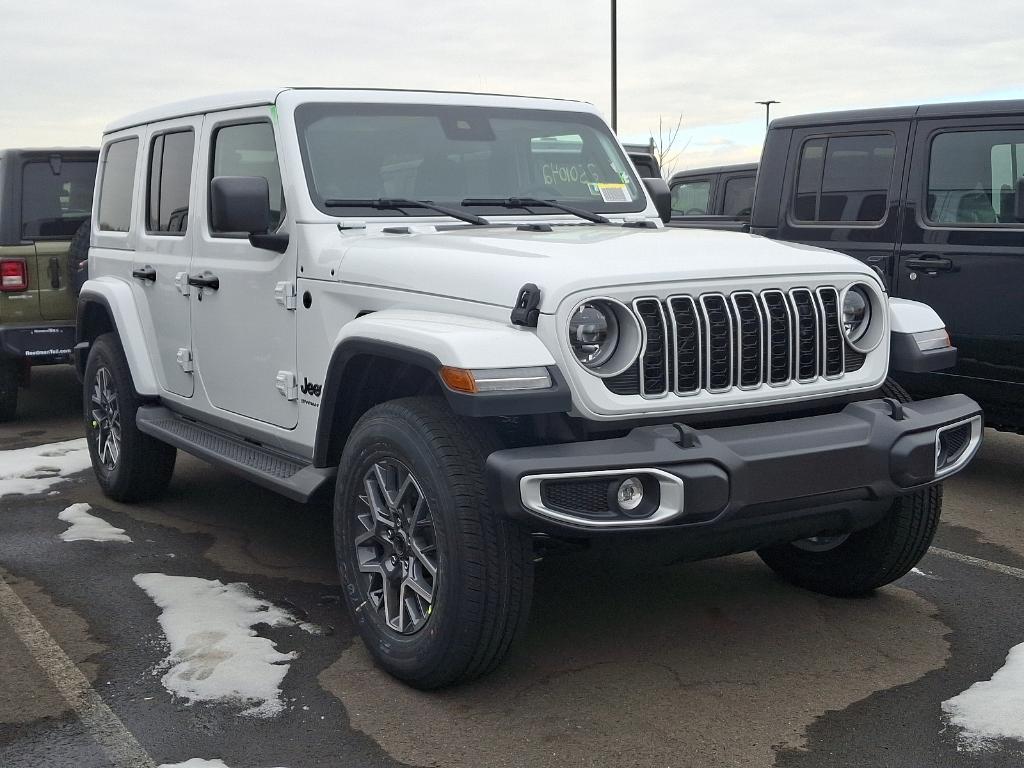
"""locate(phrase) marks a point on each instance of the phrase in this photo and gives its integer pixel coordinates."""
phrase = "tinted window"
(690, 198)
(170, 174)
(739, 196)
(56, 197)
(973, 175)
(249, 150)
(844, 179)
(117, 187)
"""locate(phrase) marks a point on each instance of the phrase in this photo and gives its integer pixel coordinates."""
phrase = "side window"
(170, 175)
(118, 185)
(739, 196)
(690, 198)
(972, 177)
(844, 179)
(248, 150)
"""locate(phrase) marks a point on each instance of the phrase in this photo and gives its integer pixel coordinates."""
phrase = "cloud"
(63, 81)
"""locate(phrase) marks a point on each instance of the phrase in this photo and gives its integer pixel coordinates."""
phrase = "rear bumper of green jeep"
(38, 344)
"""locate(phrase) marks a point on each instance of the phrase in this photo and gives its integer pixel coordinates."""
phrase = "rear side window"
(972, 177)
(739, 196)
(690, 198)
(249, 150)
(56, 197)
(844, 179)
(118, 185)
(170, 175)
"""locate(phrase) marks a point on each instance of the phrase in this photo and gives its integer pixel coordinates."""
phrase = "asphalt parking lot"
(709, 664)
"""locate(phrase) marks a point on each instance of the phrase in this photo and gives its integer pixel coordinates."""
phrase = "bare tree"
(663, 147)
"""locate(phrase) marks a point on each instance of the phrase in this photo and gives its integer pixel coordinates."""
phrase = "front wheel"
(129, 464)
(437, 584)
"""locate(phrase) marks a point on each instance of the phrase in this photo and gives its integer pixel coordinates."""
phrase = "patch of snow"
(195, 762)
(86, 527)
(34, 470)
(991, 709)
(925, 574)
(216, 654)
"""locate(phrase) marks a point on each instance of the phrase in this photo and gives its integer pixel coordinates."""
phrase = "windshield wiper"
(532, 202)
(398, 203)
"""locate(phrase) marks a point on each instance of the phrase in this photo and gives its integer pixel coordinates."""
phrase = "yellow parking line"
(99, 720)
(1008, 570)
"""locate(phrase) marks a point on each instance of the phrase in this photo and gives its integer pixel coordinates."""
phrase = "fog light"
(630, 494)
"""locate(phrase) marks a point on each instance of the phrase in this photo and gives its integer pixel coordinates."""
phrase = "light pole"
(767, 110)
(615, 74)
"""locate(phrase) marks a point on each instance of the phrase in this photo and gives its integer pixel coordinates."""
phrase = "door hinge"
(184, 358)
(181, 283)
(284, 294)
(286, 385)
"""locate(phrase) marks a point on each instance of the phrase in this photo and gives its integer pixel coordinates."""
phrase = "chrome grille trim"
(787, 329)
(687, 301)
(815, 343)
(709, 351)
(743, 340)
(663, 332)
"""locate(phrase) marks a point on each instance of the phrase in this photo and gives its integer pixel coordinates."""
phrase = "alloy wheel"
(396, 547)
(106, 419)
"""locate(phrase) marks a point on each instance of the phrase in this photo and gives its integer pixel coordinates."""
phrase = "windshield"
(447, 154)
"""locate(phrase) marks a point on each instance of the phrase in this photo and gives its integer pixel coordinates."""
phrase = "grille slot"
(654, 357)
(779, 325)
(587, 497)
(715, 342)
(832, 332)
(686, 331)
(749, 340)
(805, 318)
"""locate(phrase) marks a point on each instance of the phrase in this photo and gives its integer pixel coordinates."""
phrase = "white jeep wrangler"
(462, 313)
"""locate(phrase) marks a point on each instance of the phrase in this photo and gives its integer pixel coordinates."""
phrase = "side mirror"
(240, 204)
(1019, 207)
(662, 197)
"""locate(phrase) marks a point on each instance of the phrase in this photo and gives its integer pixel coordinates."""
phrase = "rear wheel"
(10, 376)
(437, 584)
(129, 465)
(854, 564)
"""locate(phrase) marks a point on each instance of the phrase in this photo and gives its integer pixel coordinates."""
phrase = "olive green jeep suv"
(45, 204)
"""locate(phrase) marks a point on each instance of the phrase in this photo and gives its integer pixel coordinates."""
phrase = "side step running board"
(288, 475)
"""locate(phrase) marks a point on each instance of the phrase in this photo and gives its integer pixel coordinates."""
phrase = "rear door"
(56, 199)
(161, 260)
(963, 247)
(843, 188)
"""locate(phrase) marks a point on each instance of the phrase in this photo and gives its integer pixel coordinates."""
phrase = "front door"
(164, 249)
(963, 245)
(843, 191)
(243, 338)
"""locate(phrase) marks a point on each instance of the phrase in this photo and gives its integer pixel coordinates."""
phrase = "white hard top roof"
(268, 96)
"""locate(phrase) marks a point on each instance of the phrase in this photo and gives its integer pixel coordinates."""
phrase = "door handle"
(930, 264)
(205, 280)
(145, 273)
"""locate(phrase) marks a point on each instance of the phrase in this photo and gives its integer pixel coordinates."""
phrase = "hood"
(491, 265)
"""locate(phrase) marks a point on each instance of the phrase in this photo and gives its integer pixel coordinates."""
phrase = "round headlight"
(856, 313)
(593, 333)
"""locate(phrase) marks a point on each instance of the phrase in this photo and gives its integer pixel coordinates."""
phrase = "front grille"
(713, 342)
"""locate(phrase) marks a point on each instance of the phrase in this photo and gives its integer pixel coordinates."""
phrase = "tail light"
(13, 275)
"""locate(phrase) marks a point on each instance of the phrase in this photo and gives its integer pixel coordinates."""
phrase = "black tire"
(10, 378)
(484, 582)
(870, 558)
(143, 466)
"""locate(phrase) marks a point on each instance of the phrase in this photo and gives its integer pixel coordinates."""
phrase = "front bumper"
(38, 344)
(834, 472)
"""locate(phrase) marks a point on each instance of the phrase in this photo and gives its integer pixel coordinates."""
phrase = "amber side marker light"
(494, 379)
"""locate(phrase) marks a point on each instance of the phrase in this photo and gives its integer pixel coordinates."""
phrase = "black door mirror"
(240, 204)
(1019, 207)
(662, 197)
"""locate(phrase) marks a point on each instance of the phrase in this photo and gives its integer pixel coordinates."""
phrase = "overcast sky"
(68, 68)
